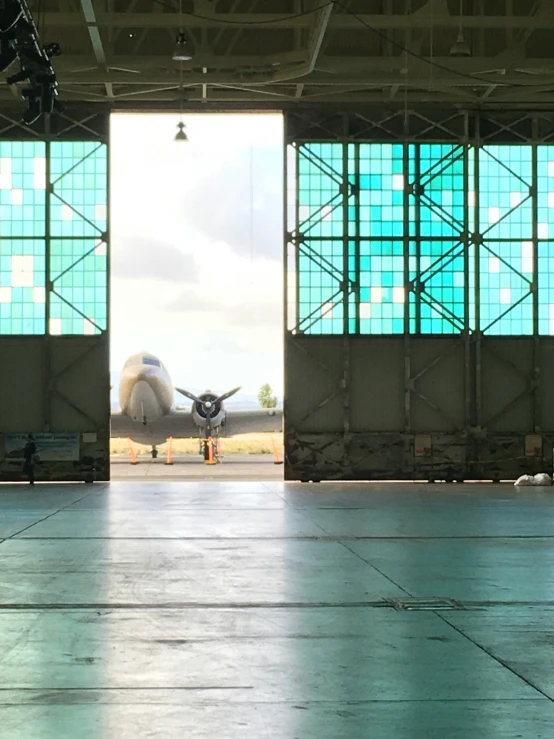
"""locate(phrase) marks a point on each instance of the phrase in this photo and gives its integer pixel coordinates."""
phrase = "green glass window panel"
(499, 209)
(78, 301)
(381, 190)
(436, 190)
(505, 179)
(382, 293)
(546, 287)
(79, 199)
(320, 308)
(505, 300)
(437, 304)
(320, 173)
(22, 287)
(22, 189)
(545, 192)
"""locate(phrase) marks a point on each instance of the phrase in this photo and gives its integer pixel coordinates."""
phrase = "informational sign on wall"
(50, 447)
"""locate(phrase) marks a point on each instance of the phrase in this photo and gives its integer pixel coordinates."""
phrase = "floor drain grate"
(424, 604)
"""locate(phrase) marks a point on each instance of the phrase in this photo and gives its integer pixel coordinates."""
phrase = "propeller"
(208, 404)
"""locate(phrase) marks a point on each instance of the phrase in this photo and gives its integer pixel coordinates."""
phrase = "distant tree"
(266, 397)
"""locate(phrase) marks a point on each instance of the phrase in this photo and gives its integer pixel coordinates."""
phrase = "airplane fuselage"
(146, 396)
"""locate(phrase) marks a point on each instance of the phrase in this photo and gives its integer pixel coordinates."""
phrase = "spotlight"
(182, 52)
(181, 135)
(460, 48)
(52, 50)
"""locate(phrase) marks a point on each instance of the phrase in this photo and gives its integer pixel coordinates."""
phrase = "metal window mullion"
(285, 239)
(345, 239)
(477, 285)
(406, 254)
(357, 238)
(537, 410)
(47, 368)
(107, 242)
(417, 239)
(296, 242)
(465, 241)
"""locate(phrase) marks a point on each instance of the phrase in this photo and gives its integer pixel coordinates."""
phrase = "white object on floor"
(543, 479)
(524, 480)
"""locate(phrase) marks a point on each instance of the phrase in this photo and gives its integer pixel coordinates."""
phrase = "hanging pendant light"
(460, 48)
(182, 52)
(181, 135)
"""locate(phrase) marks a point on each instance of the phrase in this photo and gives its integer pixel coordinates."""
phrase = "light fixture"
(460, 48)
(181, 135)
(182, 52)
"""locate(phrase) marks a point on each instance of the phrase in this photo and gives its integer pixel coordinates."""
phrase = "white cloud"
(157, 246)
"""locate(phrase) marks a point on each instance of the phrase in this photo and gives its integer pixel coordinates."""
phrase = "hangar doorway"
(196, 288)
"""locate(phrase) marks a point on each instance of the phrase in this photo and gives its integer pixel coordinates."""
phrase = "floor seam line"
(408, 593)
(54, 513)
(499, 661)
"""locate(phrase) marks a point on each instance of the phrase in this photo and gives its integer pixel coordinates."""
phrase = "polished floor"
(276, 611)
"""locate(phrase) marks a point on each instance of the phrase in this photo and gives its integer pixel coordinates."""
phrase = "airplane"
(148, 413)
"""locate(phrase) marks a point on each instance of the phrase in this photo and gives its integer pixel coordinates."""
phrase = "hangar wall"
(419, 294)
(54, 292)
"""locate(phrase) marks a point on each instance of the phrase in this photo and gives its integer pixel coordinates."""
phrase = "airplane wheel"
(206, 451)
(154, 453)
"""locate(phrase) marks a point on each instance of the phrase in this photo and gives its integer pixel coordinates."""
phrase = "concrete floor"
(258, 609)
(242, 467)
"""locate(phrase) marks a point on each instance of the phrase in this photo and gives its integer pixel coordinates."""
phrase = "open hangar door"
(54, 291)
(419, 295)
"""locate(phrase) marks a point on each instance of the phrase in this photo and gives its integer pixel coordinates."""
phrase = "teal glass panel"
(78, 250)
(381, 190)
(320, 212)
(505, 300)
(483, 237)
(22, 287)
(22, 189)
(78, 300)
(382, 294)
(436, 190)
(437, 274)
(320, 305)
(320, 173)
(78, 172)
(505, 204)
(22, 231)
(546, 287)
(545, 192)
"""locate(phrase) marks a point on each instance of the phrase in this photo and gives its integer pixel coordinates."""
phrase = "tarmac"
(192, 467)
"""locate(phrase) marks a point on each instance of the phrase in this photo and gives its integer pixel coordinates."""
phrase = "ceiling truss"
(345, 51)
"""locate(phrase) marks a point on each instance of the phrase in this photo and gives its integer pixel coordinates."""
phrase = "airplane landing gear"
(209, 448)
(154, 452)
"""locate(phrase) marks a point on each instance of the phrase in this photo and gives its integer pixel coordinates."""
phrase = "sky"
(196, 247)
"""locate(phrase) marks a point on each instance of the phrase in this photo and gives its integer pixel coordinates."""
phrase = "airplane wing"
(121, 426)
(249, 422)
(178, 425)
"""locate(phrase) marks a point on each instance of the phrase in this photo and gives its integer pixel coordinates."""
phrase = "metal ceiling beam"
(421, 80)
(331, 65)
(95, 38)
(344, 22)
